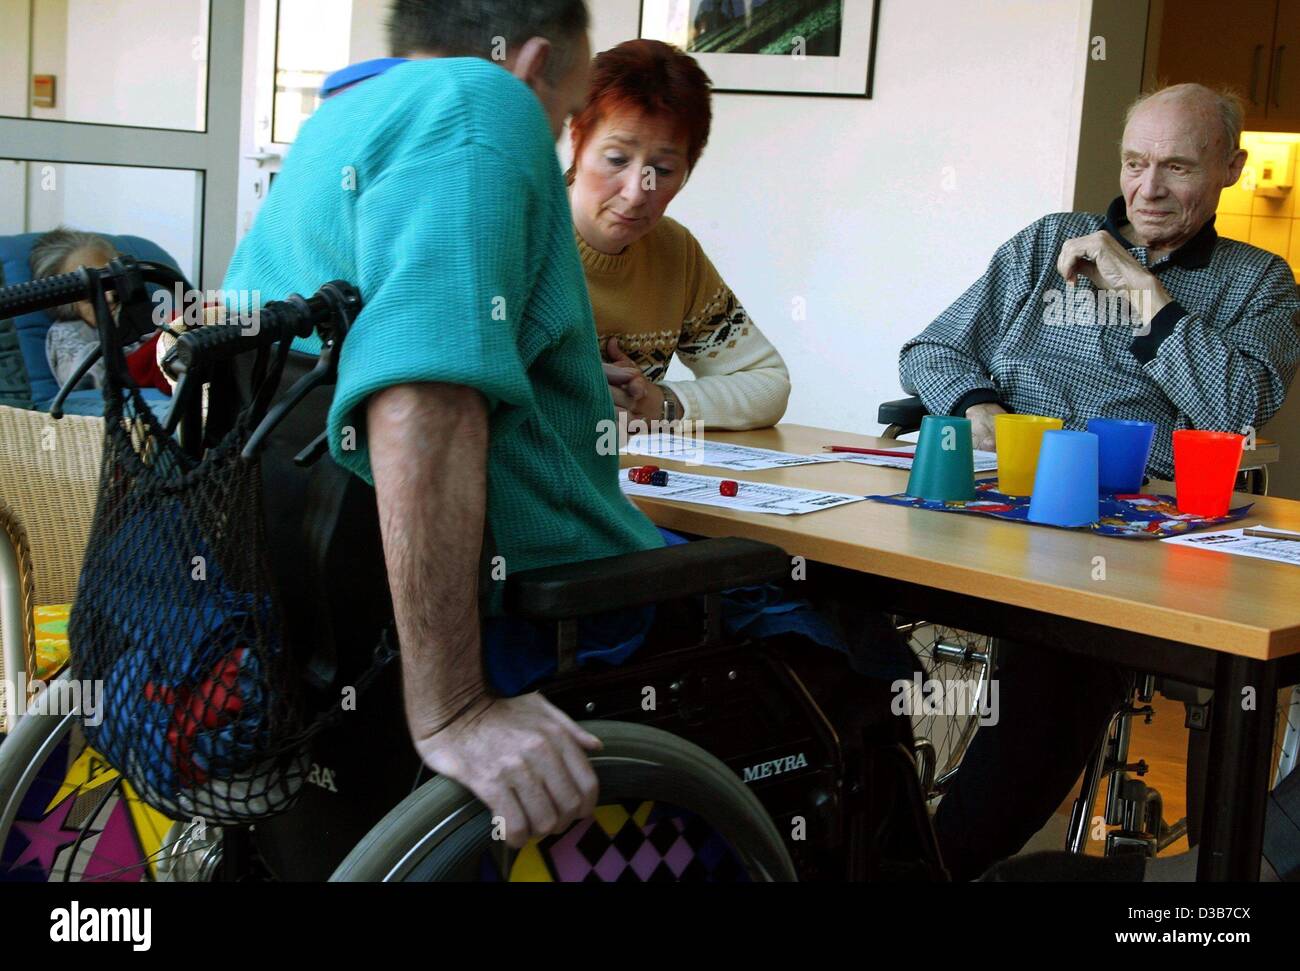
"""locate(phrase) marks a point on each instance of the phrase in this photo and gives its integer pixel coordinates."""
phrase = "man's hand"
(1103, 260)
(631, 390)
(523, 758)
(981, 424)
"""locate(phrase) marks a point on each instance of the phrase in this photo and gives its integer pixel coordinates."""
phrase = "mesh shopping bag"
(176, 614)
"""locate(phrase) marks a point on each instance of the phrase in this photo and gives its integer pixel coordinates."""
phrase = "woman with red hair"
(653, 290)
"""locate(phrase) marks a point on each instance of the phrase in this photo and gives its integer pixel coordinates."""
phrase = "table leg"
(1236, 786)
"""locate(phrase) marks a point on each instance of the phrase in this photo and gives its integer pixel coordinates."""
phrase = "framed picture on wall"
(812, 47)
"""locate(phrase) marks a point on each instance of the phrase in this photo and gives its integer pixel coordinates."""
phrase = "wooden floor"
(1163, 745)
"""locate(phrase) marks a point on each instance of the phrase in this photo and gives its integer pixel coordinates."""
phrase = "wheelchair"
(945, 654)
(724, 759)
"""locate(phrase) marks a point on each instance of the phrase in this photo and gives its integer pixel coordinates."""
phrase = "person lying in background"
(73, 333)
(653, 290)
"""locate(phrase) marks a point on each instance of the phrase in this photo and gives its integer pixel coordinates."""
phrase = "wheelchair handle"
(53, 291)
(80, 284)
(295, 316)
(343, 303)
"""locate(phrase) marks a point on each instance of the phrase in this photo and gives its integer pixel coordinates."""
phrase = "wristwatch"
(670, 406)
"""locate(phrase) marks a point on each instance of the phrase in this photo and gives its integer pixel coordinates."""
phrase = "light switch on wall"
(1274, 166)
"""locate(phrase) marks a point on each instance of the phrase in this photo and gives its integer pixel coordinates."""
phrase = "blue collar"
(356, 73)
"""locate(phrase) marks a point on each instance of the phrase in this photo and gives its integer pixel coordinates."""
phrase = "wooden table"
(1221, 621)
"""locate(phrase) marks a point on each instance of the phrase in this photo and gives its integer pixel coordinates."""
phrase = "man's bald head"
(1218, 114)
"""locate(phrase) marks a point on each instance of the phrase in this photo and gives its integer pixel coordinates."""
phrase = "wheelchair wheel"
(66, 815)
(951, 657)
(670, 812)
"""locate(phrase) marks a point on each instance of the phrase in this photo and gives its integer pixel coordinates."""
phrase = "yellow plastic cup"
(1019, 437)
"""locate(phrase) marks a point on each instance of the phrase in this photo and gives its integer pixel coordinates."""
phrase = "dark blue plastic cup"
(1123, 450)
(1065, 488)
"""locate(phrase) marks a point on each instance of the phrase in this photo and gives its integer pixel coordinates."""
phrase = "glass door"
(124, 118)
(291, 47)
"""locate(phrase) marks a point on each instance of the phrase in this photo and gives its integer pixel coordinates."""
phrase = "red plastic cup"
(1205, 470)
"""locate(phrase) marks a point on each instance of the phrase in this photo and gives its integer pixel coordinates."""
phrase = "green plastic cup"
(944, 467)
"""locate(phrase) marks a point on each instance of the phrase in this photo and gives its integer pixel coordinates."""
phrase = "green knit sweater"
(436, 190)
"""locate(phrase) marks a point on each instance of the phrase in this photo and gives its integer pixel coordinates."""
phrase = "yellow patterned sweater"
(661, 296)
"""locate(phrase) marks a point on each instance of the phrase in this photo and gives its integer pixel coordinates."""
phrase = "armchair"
(49, 478)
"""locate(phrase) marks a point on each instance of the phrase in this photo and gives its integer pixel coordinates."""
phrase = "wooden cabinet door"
(1216, 43)
(1284, 73)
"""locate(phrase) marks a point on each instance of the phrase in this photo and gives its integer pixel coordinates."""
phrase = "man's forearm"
(428, 455)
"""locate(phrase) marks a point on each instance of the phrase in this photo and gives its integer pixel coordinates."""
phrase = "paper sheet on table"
(984, 461)
(751, 497)
(1234, 541)
(738, 458)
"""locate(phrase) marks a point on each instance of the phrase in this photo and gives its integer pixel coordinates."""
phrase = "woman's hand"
(631, 390)
(212, 315)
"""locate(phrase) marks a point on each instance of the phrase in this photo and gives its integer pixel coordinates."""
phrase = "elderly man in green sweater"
(436, 189)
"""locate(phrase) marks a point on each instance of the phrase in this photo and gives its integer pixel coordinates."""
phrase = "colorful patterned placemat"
(1136, 516)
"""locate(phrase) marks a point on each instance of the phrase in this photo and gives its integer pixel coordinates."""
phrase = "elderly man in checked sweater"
(1143, 313)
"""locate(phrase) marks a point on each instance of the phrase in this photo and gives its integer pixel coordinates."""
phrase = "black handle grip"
(218, 342)
(295, 316)
(53, 291)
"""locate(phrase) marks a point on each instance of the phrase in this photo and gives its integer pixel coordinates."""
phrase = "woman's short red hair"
(651, 78)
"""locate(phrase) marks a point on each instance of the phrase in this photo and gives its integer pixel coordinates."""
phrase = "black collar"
(1192, 255)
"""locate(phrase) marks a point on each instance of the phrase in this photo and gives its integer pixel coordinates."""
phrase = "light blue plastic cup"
(1065, 488)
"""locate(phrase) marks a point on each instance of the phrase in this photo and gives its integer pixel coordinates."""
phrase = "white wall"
(45, 197)
(161, 205)
(15, 27)
(369, 30)
(13, 191)
(142, 63)
(845, 203)
(50, 53)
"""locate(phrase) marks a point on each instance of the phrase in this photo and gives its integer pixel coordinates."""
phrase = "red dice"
(728, 487)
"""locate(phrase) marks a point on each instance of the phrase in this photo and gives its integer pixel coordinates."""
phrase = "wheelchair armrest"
(639, 579)
(905, 412)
